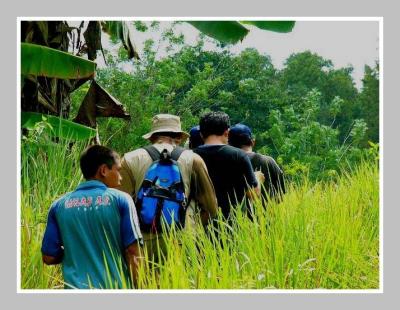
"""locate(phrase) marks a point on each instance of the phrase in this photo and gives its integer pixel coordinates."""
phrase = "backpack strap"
(176, 153)
(153, 152)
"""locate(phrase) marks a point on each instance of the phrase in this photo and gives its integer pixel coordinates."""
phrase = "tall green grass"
(48, 170)
(323, 235)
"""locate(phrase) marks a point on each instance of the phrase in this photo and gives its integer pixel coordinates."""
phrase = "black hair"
(214, 123)
(239, 140)
(95, 156)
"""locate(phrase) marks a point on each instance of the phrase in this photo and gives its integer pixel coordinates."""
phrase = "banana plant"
(51, 72)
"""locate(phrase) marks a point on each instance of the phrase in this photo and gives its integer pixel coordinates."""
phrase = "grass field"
(323, 235)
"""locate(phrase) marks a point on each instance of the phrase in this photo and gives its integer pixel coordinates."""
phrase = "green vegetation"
(309, 116)
(323, 235)
(320, 236)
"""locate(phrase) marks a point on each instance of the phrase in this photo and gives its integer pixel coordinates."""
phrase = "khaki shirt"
(196, 180)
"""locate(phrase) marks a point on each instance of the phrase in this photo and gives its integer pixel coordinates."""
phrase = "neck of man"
(247, 148)
(215, 140)
(97, 177)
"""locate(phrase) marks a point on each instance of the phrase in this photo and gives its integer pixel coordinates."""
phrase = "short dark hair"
(93, 157)
(214, 123)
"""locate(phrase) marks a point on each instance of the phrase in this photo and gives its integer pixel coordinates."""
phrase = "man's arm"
(131, 235)
(52, 260)
(203, 190)
(52, 250)
(134, 259)
(128, 181)
(253, 190)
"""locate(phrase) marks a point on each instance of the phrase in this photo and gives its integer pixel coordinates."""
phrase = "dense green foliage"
(308, 115)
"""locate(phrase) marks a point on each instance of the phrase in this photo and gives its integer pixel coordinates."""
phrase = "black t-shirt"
(274, 183)
(230, 171)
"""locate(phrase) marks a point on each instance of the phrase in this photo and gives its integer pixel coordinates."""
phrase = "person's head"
(240, 136)
(195, 139)
(101, 163)
(166, 126)
(215, 123)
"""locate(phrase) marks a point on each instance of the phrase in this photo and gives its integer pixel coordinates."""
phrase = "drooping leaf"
(99, 103)
(44, 61)
(229, 32)
(61, 127)
(272, 25)
(120, 31)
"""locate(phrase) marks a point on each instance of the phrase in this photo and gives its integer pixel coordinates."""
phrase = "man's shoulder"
(265, 160)
(135, 153)
(234, 152)
(119, 194)
(218, 148)
(61, 199)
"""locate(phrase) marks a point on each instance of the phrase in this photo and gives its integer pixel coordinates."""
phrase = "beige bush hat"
(166, 123)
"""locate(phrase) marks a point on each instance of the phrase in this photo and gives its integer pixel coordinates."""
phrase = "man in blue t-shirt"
(94, 231)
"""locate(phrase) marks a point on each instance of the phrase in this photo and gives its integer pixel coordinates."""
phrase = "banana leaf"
(231, 32)
(44, 61)
(272, 25)
(61, 128)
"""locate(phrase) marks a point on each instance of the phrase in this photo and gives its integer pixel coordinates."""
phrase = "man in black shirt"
(229, 168)
(240, 136)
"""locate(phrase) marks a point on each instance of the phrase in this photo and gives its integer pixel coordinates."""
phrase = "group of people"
(98, 232)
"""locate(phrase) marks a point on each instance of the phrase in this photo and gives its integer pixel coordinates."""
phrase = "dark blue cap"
(195, 139)
(241, 130)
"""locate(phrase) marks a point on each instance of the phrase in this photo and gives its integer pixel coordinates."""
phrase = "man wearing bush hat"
(166, 134)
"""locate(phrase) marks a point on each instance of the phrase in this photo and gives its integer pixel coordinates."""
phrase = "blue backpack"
(161, 197)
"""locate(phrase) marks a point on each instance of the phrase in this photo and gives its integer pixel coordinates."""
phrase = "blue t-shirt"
(92, 226)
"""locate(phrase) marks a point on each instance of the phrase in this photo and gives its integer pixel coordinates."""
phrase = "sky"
(345, 43)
